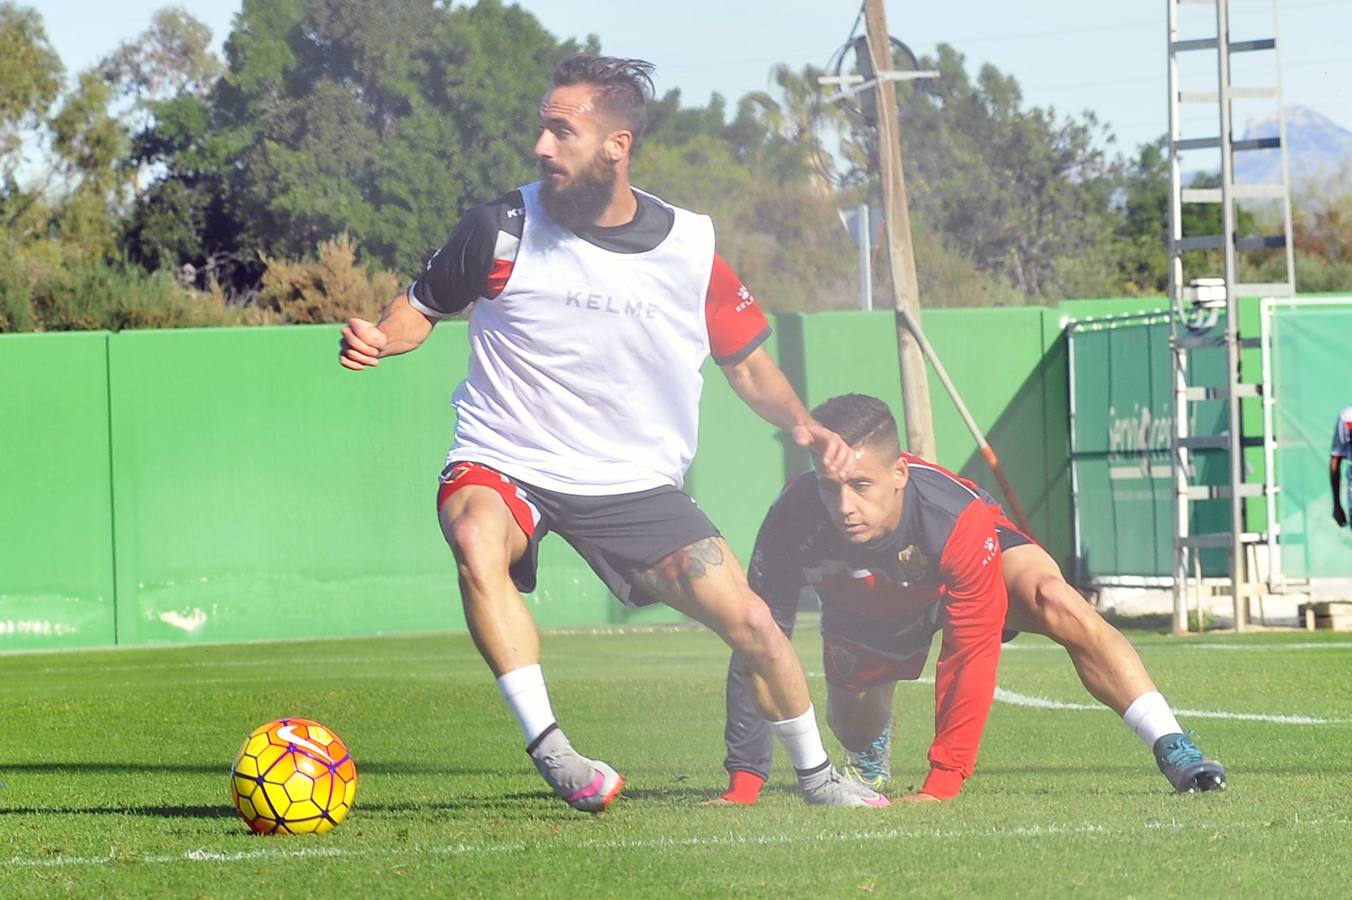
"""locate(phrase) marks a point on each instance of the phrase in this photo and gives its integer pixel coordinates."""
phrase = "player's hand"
(361, 345)
(919, 797)
(836, 456)
(1339, 516)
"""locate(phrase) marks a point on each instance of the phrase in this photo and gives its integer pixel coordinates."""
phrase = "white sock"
(1151, 718)
(526, 696)
(802, 740)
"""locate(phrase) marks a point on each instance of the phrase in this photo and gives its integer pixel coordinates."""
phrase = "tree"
(1321, 236)
(1323, 217)
(30, 75)
(169, 63)
(169, 59)
(93, 149)
(776, 226)
(1022, 194)
(382, 119)
(1142, 245)
(1143, 228)
(785, 134)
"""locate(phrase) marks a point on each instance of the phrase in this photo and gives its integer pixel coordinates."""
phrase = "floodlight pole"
(915, 393)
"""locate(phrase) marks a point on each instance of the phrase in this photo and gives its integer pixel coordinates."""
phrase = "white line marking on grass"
(730, 839)
(1014, 698)
(1331, 645)
(52, 861)
(199, 855)
(240, 855)
(1261, 717)
(1232, 648)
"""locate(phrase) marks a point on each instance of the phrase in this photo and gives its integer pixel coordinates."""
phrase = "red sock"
(743, 787)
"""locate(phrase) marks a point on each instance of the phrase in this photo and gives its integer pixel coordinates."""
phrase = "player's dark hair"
(623, 86)
(860, 419)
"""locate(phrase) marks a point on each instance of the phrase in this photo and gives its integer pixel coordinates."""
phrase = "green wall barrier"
(1009, 366)
(264, 492)
(222, 485)
(261, 491)
(1309, 345)
(56, 553)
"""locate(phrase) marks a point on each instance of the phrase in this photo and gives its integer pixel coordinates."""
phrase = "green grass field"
(114, 769)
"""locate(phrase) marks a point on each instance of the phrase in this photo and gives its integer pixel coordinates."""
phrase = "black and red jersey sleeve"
(964, 684)
(970, 485)
(475, 261)
(734, 318)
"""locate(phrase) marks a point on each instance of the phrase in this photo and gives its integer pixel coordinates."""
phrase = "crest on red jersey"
(914, 562)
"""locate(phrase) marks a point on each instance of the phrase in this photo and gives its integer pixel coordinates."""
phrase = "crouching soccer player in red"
(901, 549)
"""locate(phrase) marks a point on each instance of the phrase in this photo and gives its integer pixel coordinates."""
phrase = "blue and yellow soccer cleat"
(871, 767)
(1186, 767)
(851, 772)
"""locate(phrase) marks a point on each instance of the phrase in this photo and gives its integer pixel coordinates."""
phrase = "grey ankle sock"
(815, 777)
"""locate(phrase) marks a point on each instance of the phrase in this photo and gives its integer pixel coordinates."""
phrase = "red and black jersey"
(939, 570)
(477, 260)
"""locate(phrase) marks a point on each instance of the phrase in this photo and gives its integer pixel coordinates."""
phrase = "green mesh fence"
(1122, 427)
(1120, 433)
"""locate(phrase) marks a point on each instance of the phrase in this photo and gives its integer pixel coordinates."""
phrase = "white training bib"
(584, 375)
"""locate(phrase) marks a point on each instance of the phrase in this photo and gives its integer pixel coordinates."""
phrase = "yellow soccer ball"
(293, 776)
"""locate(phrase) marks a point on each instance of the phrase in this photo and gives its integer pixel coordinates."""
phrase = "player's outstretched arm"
(964, 678)
(763, 387)
(401, 329)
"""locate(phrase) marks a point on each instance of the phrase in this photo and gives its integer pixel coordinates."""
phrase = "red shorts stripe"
(465, 474)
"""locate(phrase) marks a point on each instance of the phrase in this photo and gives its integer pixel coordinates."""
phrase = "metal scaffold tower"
(1206, 304)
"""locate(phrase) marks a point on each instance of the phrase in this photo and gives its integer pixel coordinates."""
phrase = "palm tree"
(794, 127)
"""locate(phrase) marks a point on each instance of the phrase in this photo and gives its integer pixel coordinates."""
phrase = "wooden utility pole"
(914, 381)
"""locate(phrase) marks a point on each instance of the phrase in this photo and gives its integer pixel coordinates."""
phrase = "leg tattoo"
(678, 571)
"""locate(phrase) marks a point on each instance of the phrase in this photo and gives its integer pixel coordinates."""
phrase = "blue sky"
(1069, 54)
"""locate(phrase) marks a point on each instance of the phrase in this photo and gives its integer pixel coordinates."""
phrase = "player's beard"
(586, 196)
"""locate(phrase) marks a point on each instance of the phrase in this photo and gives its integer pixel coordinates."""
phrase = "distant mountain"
(1316, 147)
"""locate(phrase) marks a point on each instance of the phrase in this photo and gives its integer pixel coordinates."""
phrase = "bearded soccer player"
(594, 307)
(898, 550)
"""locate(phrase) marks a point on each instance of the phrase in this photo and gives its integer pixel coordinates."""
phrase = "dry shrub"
(329, 288)
(49, 285)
